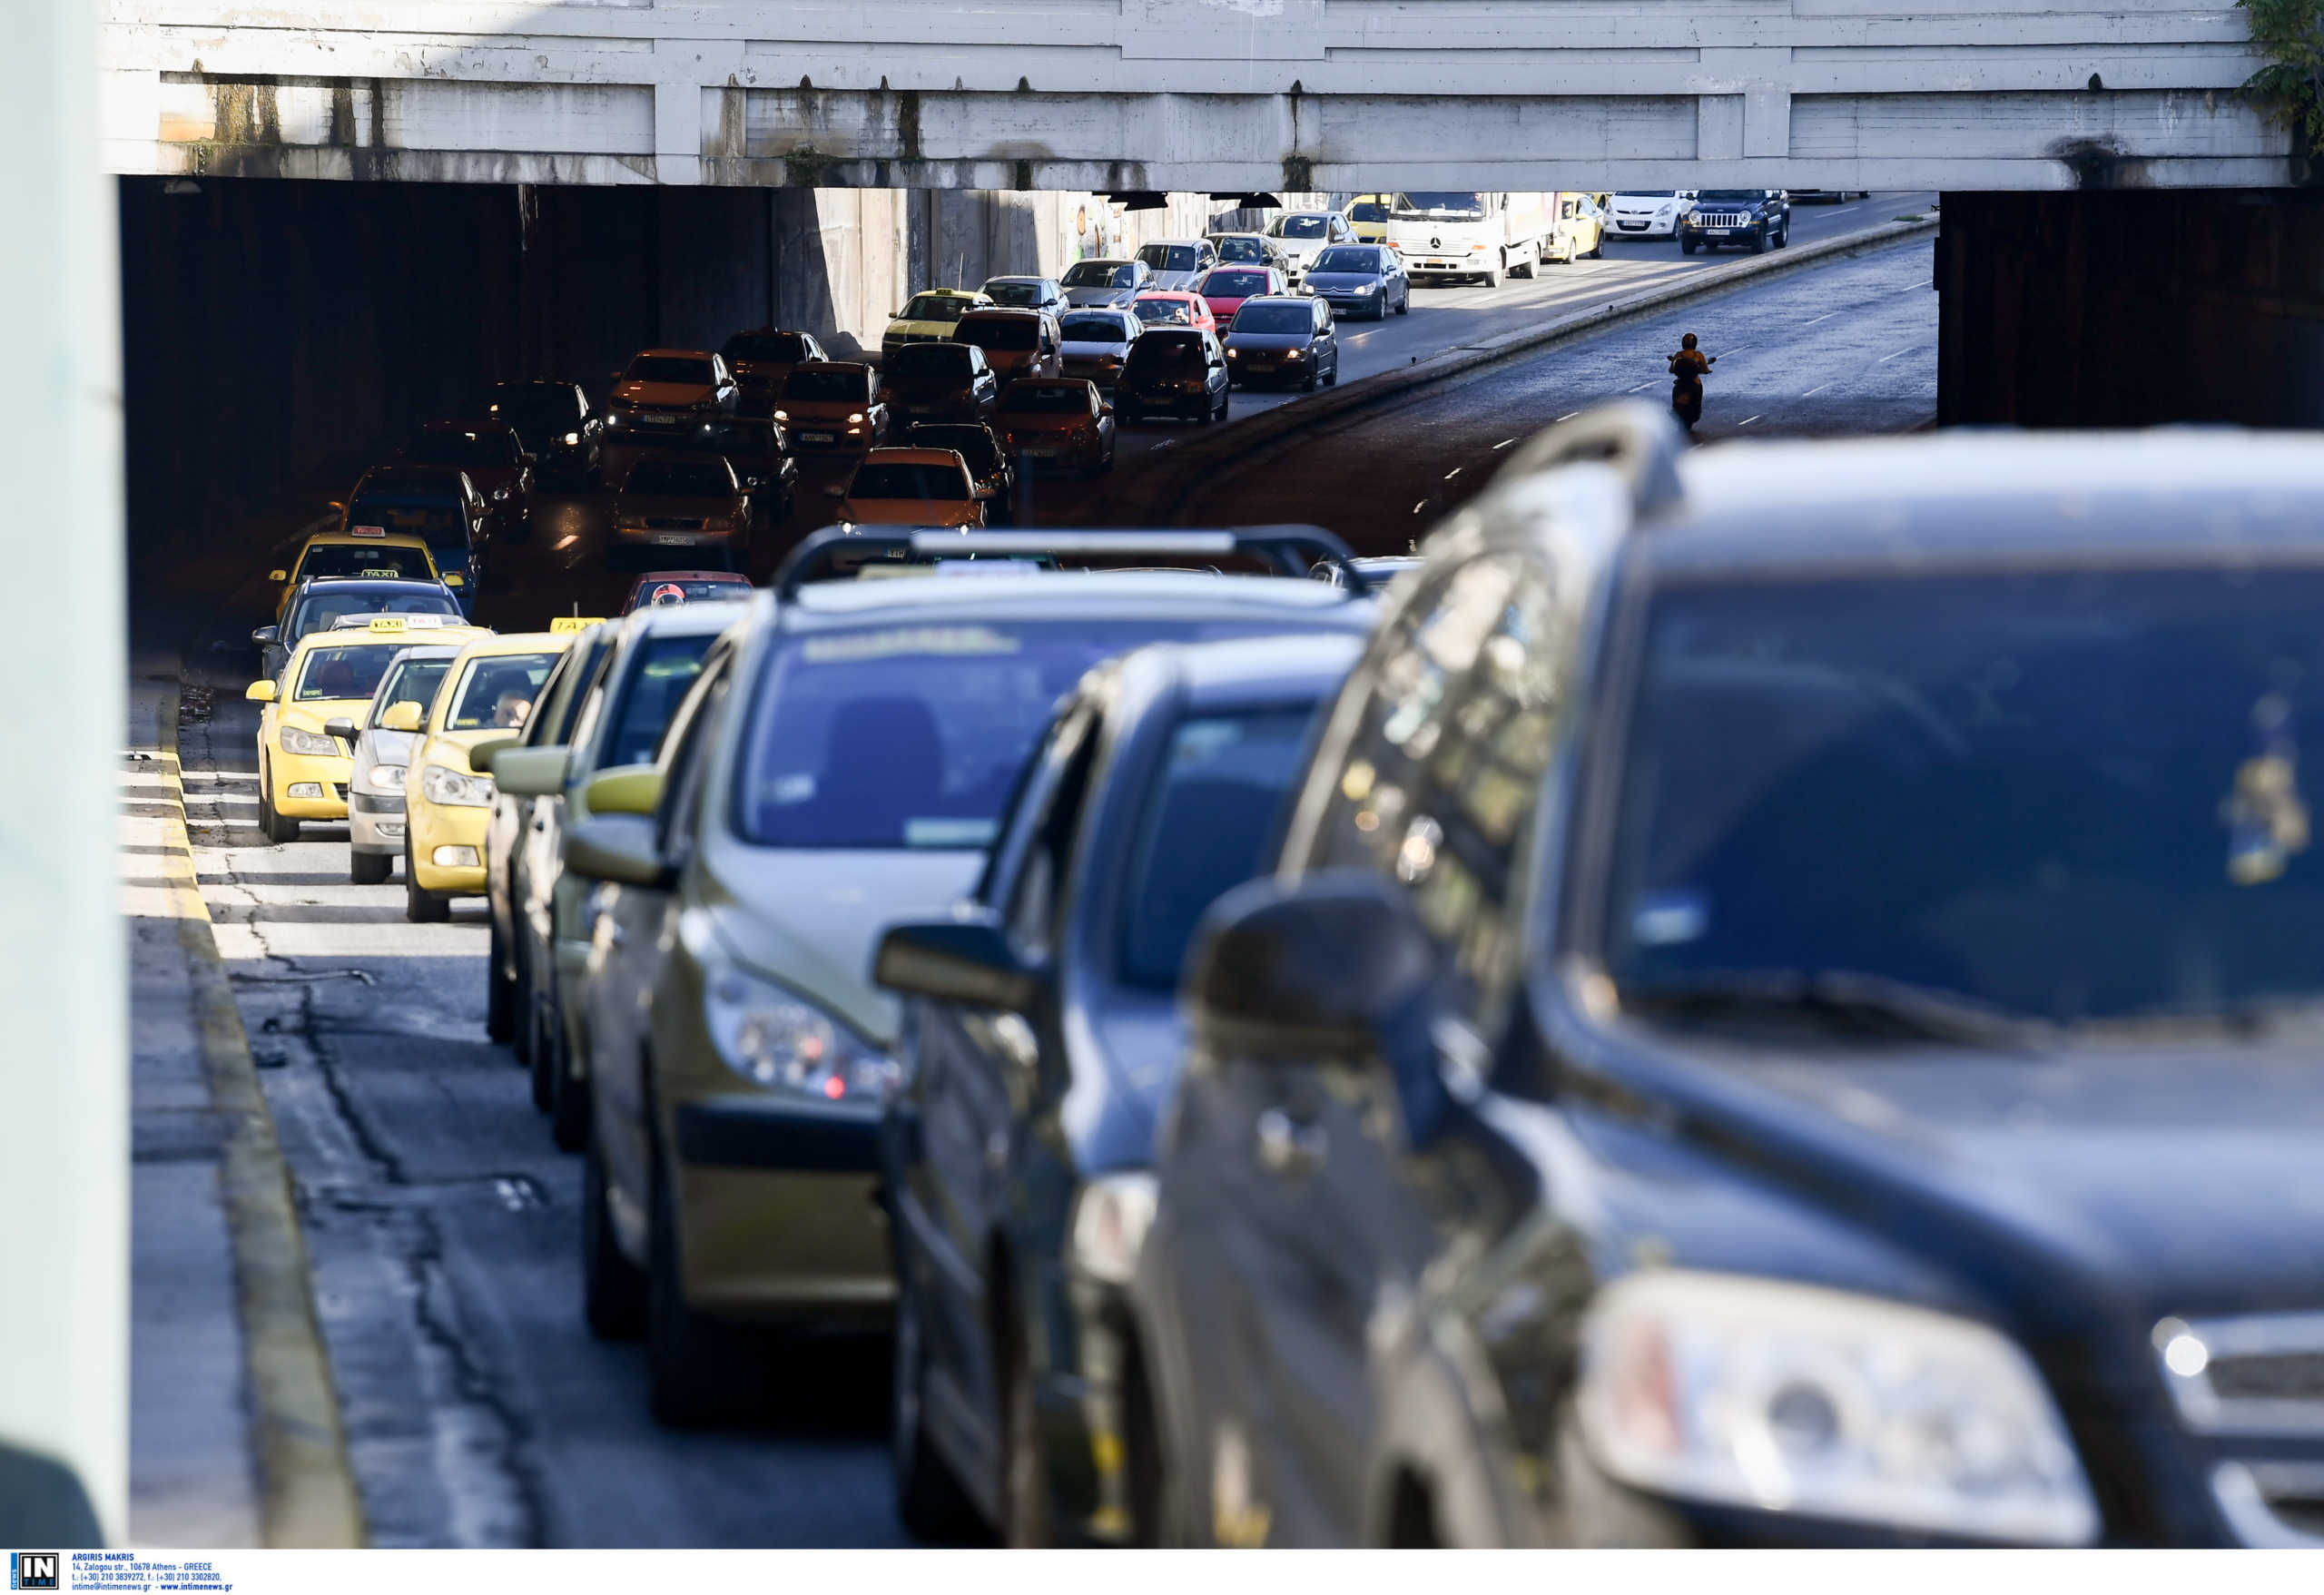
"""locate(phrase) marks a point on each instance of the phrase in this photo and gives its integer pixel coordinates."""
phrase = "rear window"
(353, 559)
(997, 333)
(1030, 398)
(1255, 317)
(767, 348)
(497, 692)
(945, 362)
(668, 368)
(350, 671)
(680, 479)
(1208, 819)
(1168, 257)
(881, 479)
(835, 385)
(1092, 327)
(666, 668)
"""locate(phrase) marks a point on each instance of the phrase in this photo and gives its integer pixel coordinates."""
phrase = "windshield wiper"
(1842, 1000)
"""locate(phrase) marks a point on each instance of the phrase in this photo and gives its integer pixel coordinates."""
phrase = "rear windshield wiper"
(1841, 999)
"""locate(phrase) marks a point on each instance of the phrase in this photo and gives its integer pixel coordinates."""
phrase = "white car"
(1302, 235)
(1178, 263)
(1650, 213)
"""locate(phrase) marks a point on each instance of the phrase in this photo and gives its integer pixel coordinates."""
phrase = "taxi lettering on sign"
(367, 531)
(389, 623)
(567, 625)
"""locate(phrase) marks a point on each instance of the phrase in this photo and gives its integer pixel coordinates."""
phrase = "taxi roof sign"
(367, 531)
(389, 623)
(567, 625)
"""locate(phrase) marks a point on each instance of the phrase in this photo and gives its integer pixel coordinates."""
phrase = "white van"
(1449, 237)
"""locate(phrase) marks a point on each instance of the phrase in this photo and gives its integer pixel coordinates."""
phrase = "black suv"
(1754, 217)
(1780, 1023)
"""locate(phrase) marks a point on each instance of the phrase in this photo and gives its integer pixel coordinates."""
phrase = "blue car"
(1798, 1024)
(438, 503)
(1018, 1163)
(1365, 281)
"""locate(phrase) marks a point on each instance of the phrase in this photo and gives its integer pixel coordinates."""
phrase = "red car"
(657, 588)
(1174, 306)
(1225, 288)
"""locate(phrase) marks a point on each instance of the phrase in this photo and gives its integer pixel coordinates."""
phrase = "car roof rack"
(1291, 550)
(1641, 442)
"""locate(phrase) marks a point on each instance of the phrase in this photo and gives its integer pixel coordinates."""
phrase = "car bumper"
(779, 1210)
(1262, 373)
(1038, 454)
(447, 827)
(1446, 265)
(654, 538)
(1343, 302)
(309, 786)
(806, 438)
(375, 822)
(1641, 226)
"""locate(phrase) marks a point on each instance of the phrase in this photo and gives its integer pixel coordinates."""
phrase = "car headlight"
(616, 417)
(1368, 287)
(500, 494)
(856, 419)
(772, 1038)
(312, 744)
(1110, 1218)
(1761, 1394)
(384, 778)
(573, 439)
(1234, 354)
(783, 415)
(1295, 354)
(450, 787)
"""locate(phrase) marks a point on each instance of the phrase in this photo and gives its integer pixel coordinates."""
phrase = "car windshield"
(1241, 249)
(902, 480)
(1042, 398)
(1731, 196)
(467, 450)
(348, 672)
(773, 349)
(2066, 795)
(1234, 284)
(1255, 317)
(1099, 274)
(1208, 818)
(541, 415)
(1168, 257)
(432, 523)
(829, 384)
(665, 668)
(1646, 194)
(668, 368)
(1366, 261)
(387, 561)
(1368, 210)
(680, 479)
(1151, 350)
(1095, 327)
(1000, 332)
(937, 307)
(321, 611)
(414, 681)
(912, 736)
(933, 362)
(496, 692)
(1442, 207)
(1014, 293)
(1299, 227)
(672, 591)
(1164, 312)
(972, 444)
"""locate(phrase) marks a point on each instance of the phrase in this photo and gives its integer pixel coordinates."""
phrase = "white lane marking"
(1826, 316)
(1569, 414)
(1819, 387)
(1737, 347)
(1746, 420)
(1641, 387)
(1418, 505)
(1504, 443)
(1900, 354)
(1452, 473)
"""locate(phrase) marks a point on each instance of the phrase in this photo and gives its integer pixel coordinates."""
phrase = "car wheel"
(1307, 383)
(1492, 277)
(698, 1370)
(499, 993)
(568, 1091)
(1024, 1465)
(1759, 242)
(1783, 239)
(1686, 246)
(612, 1288)
(279, 828)
(368, 869)
(929, 1496)
(1405, 305)
(421, 907)
(1334, 380)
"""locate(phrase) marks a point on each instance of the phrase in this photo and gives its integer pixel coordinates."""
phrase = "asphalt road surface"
(443, 1228)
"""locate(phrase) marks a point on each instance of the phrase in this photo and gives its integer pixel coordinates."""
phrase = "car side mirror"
(1336, 969)
(403, 716)
(523, 772)
(619, 847)
(339, 726)
(1105, 409)
(481, 755)
(277, 576)
(963, 960)
(986, 491)
(260, 692)
(626, 789)
(265, 634)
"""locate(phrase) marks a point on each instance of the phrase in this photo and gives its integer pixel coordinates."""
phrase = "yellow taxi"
(305, 760)
(487, 691)
(930, 317)
(360, 551)
(1368, 215)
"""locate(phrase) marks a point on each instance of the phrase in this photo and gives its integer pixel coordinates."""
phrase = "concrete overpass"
(1194, 95)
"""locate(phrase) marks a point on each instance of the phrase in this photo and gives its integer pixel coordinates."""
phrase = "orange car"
(832, 406)
(1017, 343)
(913, 487)
(668, 393)
(1059, 421)
(1174, 308)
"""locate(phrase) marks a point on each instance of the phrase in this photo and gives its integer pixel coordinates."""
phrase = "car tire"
(1783, 239)
(1405, 305)
(1334, 380)
(499, 993)
(612, 1288)
(698, 1370)
(420, 906)
(568, 1093)
(1759, 242)
(930, 1500)
(1492, 277)
(1307, 384)
(368, 869)
(1025, 1500)
(278, 828)
(1686, 246)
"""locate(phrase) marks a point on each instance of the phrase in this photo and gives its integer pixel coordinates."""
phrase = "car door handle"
(1288, 1146)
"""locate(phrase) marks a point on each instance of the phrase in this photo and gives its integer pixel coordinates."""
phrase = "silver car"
(375, 790)
(1177, 262)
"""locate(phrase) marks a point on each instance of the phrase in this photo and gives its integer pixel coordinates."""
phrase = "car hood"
(804, 412)
(654, 503)
(450, 748)
(2179, 1180)
(1078, 297)
(905, 512)
(919, 386)
(1325, 281)
(309, 713)
(811, 919)
(1302, 250)
(383, 746)
(1041, 420)
(674, 395)
(938, 331)
(1266, 342)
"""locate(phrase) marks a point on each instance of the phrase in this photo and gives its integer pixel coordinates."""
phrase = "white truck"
(1447, 237)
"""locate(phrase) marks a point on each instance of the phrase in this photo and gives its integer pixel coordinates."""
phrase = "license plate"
(1042, 453)
(676, 539)
(815, 438)
(659, 419)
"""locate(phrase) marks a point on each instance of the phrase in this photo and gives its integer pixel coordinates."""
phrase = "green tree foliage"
(2290, 33)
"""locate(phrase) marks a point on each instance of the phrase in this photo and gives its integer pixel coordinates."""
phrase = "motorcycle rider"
(1689, 367)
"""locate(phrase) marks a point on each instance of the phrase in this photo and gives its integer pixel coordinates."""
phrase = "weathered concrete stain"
(2100, 163)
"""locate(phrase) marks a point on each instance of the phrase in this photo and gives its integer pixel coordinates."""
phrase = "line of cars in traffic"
(1672, 1020)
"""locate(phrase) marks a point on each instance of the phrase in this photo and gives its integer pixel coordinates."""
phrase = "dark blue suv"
(1780, 1022)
